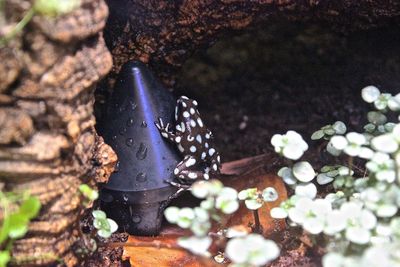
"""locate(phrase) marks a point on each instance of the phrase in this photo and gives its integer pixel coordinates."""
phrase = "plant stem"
(25, 20)
(257, 225)
(153, 244)
(350, 162)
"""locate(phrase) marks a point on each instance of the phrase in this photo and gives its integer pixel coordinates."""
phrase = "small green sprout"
(105, 226)
(88, 192)
(291, 145)
(255, 199)
(329, 130)
(251, 250)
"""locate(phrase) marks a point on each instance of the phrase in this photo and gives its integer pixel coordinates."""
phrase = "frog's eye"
(194, 102)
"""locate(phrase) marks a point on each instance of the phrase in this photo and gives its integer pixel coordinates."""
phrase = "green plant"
(49, 8)
(219, 201)
(102, 226)
(360, 221)
(17, 210)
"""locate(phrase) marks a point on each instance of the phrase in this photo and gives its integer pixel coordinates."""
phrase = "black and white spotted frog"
(194, 141)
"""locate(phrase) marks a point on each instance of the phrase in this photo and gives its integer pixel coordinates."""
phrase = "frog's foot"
(215, 164)
(184, 170)
(178, 185)
(164, 130)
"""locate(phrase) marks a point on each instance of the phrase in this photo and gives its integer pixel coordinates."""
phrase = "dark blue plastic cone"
(136, 193)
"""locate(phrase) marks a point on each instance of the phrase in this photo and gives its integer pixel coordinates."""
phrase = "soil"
(284, 76)
(287, 76)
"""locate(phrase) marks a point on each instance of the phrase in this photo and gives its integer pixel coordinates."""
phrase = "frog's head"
(186, 109)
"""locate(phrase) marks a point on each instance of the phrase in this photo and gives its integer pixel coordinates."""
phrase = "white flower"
(370, 94)
(291, 145)
(185, 217)
(311, 214)
(352, 145)
(394, 103)
(308, 190)
(356, 221)
(382, 102)
(251, 250)
(278, 213)
(355, 141)
(303, 171)
(383, 167)
(203, 189)
(333, 259)
(385, 143)
(287, 176)
(339, 142)
(383, 201)
(227, 200)
(381, 255)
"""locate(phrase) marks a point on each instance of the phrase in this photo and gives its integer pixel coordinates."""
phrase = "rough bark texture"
(165, 33)
(48, 144)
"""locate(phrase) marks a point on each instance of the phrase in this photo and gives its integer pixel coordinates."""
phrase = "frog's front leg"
(184, 170)
(164, 130)
(215, 161)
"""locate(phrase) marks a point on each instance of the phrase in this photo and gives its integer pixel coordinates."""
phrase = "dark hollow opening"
(283, 76)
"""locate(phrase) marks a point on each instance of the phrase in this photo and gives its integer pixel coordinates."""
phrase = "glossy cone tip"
(136, 193)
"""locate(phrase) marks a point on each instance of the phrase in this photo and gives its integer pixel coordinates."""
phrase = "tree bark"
(165, 33)
(48, 145)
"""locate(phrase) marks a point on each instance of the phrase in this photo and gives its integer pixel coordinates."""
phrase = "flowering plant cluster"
(360, 221)
(242, 249)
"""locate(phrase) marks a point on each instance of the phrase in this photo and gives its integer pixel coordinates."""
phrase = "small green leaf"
(303, 171)
(4, 258)
(317, 135)
(88, 192)
(269, 194)
(370, 127)
(172, 214)
(376, 118)
(18, 225)
(30, 207)
(339, 127)
(113, 225)
(55, 7)
(99, 214)
(253, 204)
(5, 229)
(329, 131)
(104, 233)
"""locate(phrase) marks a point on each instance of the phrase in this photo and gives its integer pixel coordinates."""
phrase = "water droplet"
(129, 141)
(136, 218)
(125, 198)
(144, 124)
(141, 177)
(122, 131)
(116, 167)
(114, 137)
(142, 152)
(129, 122)
(133, 105)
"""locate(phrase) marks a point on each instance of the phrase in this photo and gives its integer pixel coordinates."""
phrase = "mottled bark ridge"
(165, 33)
(48, 145)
